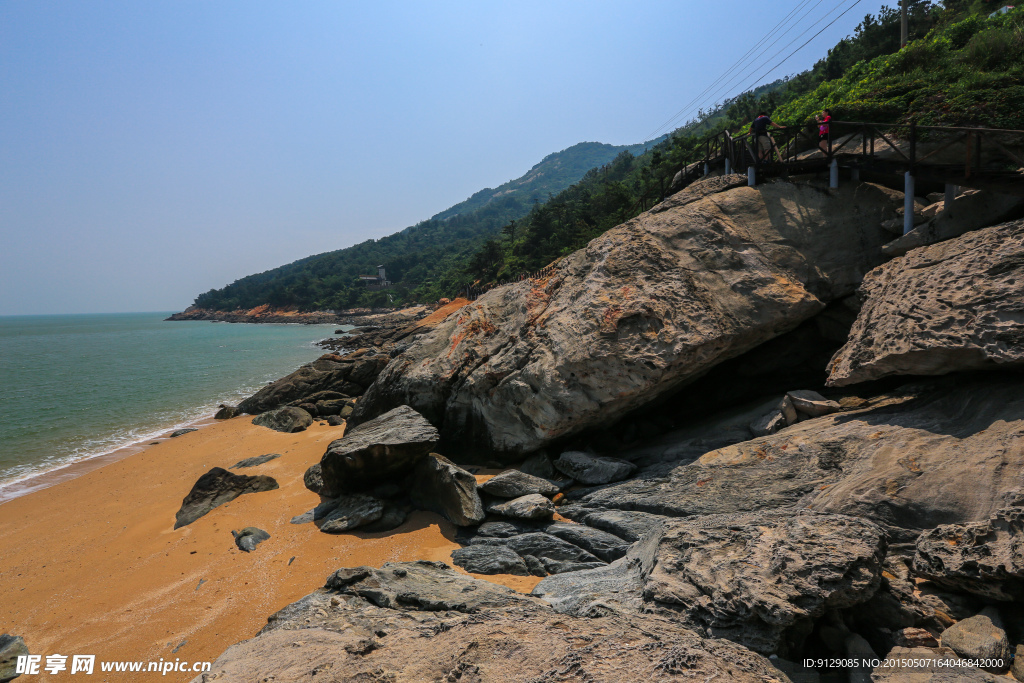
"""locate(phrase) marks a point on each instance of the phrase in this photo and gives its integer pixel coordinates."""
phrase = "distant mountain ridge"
(413, 256)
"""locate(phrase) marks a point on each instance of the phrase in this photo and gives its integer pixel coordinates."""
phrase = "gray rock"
(226, 412)
(811, 403)
(984, 558)
(392, 518)
(762, 579)
(768, 424)
(186, 430)
(11, 647)
(980, 637)
(949, 307)
(248, 538)
(325, 378)
(215, 488)
(533, 506)
(314, 481)
(628, 525)
(599, 543)
(593, 469)
(490, 559)
(441, 486)
(539, 465)
(514, 483)
(386, 448)
(939, 666)
(1018, 663)
(788, 411)
(419, 620)
(255, 460)
(351, 512)
(287, 419)
(335, 421)
(555, 555)
(648, 306)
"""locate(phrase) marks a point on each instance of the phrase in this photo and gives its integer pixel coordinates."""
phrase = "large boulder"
(341, 375)
(285, 420)
(216, 487)
(983, 558)
(421, 621)
(593, 469)
(248, 538)
(641, 311)
(441, 486)
(349, 512)
(900, 461)
(980, 637)
(11, 647)
(957, 305)
(531, 506)
(384, 449)
(513, 483)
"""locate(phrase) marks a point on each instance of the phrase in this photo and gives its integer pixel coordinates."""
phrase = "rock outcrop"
(645, 308)
(287, 420)
(954, 306)
(384, 449)
(216, 487)
(423, 622)
(441, 486)
(340, 375)
(513, 483)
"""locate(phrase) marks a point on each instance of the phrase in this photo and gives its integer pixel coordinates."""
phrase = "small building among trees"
(378, 281)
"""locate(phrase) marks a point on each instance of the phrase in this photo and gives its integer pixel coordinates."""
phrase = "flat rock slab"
(593, 469)
(762, 579)
(215, 488)
(416, 621)
(180, 432)
(255, 460)
(351, 512)
(248, 538)
(533, 506)
(489, 559)
(287, 420)
(953, 306)
(549, 554)
(441, 486)
(384, 449)
(710, 273)
(513, 483)
(602, 544)
(810, 403)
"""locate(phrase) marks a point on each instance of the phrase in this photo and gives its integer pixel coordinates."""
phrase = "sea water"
(74, 387)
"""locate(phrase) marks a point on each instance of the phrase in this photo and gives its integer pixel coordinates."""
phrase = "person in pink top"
(823, 119)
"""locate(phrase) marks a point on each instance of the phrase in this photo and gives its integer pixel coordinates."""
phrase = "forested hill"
(415, 255)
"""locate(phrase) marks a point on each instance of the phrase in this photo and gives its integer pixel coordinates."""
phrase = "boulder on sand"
(11, 647)
(441, 486)
(226, 412)
(386, 448)
(351, 512)
(248, 538)
(513, 483)
(593, 469)
(642, 310)
(255, 460)
(287, 419)
(532, 506)
(953, 306)
(314, 481)
(216, 487)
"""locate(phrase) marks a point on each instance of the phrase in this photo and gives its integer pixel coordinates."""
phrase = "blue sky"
(153, 150)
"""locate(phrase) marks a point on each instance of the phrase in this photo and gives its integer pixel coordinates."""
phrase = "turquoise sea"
(73, 387)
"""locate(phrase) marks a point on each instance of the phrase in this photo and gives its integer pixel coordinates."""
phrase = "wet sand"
(93, 565)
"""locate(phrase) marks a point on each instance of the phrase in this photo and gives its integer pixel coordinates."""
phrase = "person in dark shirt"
(824, 119)
(763, 142)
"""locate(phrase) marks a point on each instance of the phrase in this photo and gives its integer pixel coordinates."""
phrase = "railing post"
(751, 176)
(913, 146)
(707, 169)
(833, 175)
(947, 203)
(908, 202)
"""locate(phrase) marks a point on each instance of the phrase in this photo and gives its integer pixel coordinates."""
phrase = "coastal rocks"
(215, 488)
(593, 469)
(602, 544)
(513, 483)
(487, 559)
(953, 306)
(350, 512)
(180, 432)
(11, 647)
(811, 403)
(287, 420)
(980, 637)
(900, 461)
(795, 406)
(926, 665)
(314, 481)
(248, 538)
(984, 558)
(382, 449)
(762, 579)
(532, 506)
(544, 554)
(645, 308)
(226, 412)
(330, 373)
(424, 622)
(441, 486)
(255, 460)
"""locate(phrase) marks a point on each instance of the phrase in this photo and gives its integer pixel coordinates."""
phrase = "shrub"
(991, 48)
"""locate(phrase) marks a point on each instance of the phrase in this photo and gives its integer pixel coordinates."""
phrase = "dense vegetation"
(961, 67)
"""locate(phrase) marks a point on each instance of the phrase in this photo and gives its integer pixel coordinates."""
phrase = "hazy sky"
(152, 150)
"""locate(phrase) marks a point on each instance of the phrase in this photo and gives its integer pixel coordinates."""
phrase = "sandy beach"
(93, 565)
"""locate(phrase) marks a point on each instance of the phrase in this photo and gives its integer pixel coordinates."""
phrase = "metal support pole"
(707, 169)
(751, 176)
(855, 175)
(728, 167)
(950, 197)
(908, 202)
(833, 175)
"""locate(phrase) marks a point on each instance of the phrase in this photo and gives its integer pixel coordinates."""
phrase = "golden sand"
(93, 565)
